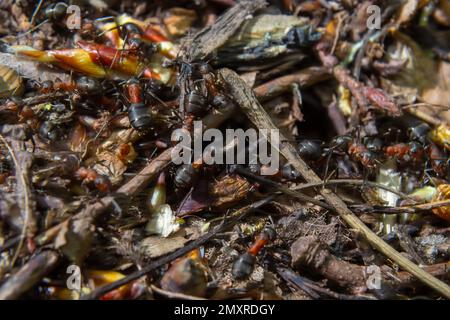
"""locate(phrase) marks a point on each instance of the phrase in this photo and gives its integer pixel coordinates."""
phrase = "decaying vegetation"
(92, 205)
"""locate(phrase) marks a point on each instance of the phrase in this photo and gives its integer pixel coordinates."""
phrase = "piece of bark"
(312, 254)
(210, 38)
(309, 252)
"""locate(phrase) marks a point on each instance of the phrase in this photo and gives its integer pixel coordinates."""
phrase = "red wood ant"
(138, 113)
(412, 151)
(142, 117)
(243, 266)
(90, 176)
(83, 85)
(360, 153)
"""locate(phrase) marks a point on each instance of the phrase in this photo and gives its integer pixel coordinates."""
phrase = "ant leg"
(330, 153)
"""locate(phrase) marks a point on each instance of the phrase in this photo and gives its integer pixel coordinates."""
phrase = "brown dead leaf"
(228, 191)
(110, 165)
(179, 21)
(195, 201)
(442, 13)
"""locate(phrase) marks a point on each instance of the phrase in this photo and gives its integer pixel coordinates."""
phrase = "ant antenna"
(35, 12)
(32, 29)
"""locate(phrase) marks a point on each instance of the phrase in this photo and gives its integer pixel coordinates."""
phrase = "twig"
(24, 183)
(307, 285)
(336, 36)
(405, 209)
(351, 182)
(210, 38)
(388, 12)
(33, 17)
(29, 275)
(42, 98)
(304, 78)
(423, 116)
(247, 100)
(285, 190)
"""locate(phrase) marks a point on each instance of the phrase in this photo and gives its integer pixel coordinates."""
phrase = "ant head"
(419, 132)
(270, 232)
(56, 12)
(373, 143)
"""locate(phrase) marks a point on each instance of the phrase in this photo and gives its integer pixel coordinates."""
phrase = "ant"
(403, 152)
(439, 162)
(186, 175)
(138, 113)
(142, 117)
(54, 13)
(360, 153)
(134, 44)
(133, 37)
(365, 154)
(90, 176)
(84, 85)
(49, 131)
(245, 263)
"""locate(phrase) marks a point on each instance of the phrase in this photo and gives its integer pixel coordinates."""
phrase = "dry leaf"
(179, 21)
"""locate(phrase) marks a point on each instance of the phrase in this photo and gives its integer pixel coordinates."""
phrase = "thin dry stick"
(351, 182)
(247, 100)
(410, 208)
(424, 116)
(29, 275)
(33, 17)
(26, 189)
(305, 77)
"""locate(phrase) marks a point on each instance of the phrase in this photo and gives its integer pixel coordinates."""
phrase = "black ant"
(142, 117)
(84, 85)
